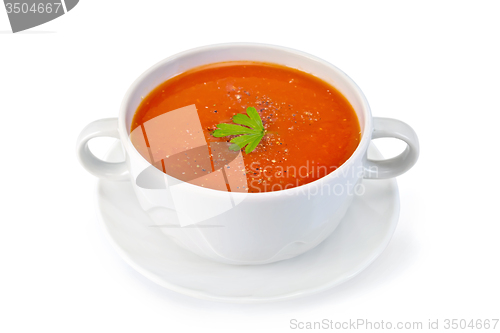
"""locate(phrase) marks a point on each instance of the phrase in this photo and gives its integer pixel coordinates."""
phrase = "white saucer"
(359, 239)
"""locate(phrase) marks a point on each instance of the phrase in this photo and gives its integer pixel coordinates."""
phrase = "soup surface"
(311, 128)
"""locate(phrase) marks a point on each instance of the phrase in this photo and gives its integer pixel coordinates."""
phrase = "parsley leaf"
(252, 134)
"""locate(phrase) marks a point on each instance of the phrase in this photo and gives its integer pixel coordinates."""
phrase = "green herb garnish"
(251, 134)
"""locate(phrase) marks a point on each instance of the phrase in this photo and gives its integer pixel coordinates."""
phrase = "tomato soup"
(310, 127)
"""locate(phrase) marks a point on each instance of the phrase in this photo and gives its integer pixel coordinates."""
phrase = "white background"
(434, 65)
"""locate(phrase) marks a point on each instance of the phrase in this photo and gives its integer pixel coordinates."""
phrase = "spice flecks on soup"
(311, 128)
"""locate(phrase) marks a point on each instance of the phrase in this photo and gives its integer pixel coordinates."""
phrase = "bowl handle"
(107, 170)
(392, 128)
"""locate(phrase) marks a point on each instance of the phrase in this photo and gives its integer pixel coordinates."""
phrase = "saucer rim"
(369, 260)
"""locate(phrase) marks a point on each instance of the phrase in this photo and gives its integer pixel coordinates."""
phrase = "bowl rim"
(301, 189)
